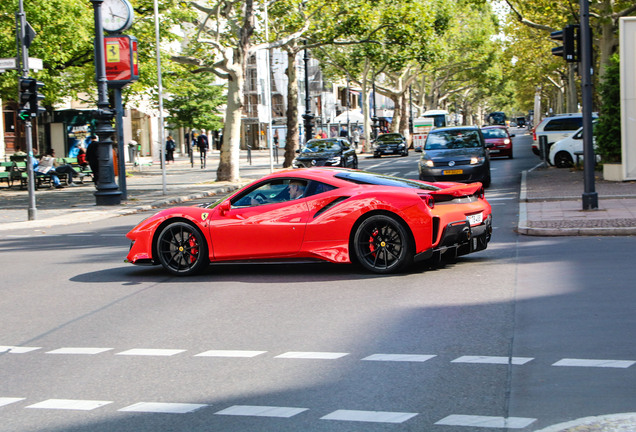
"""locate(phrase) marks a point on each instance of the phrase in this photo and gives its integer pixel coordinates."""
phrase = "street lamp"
(107, 190)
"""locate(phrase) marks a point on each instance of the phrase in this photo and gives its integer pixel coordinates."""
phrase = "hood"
(317, 155)
(446, 154)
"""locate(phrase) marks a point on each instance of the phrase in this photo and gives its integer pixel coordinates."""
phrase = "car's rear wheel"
(182, 249)
(563, 160)
(381, 244)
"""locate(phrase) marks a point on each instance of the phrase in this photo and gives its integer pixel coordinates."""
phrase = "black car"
(326, 152)
(457, 154)
(390, 143)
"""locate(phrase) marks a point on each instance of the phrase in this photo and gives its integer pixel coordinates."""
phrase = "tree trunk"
(230, 150)
(291, 143)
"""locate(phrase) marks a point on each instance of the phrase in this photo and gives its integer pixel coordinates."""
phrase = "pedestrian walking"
(91, 157)
(170, 146)
(202, 143)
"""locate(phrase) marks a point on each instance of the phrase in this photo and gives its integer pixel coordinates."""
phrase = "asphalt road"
(510, 337)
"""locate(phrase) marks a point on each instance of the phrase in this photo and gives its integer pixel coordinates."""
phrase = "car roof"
(449, 128)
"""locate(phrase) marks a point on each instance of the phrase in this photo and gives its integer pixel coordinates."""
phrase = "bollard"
(543, 148)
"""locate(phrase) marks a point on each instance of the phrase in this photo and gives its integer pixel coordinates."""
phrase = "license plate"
(452, 172)
(494, 151)
(475, 219)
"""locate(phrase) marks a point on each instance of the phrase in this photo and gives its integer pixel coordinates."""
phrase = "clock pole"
(107, 190)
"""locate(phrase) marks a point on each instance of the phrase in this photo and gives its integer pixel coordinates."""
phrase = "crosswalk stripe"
(79, 351)
(17, 349)
(163, 407)
(230, 353)
(151, 352)
(8, 400)
(312, 355)
(369, 416)
(595, 363)
(261, 411)
(486, 421)
(493, 360)
(70, 404)
(399, 357)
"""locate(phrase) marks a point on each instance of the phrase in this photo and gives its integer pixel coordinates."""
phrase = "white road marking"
(162, 407)
(7, 400)
(17, 349)
(399, 357)
(595, 363)
(493, 360)
(312, 355)
(230, 353)
(486, 421)
(261, 411)
(70, 404)
(369, 416)
(79, 351)
(151, 352)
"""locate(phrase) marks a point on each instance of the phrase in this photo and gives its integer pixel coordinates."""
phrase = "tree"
(608, 128)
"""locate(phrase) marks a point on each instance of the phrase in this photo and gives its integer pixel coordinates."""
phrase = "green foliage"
(608, 128)
(195, 101)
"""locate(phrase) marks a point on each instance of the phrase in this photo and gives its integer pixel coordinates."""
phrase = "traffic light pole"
(28, 127)
(590, 197)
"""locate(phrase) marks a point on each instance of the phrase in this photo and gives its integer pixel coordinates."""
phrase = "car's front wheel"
(563, 160)
(382, 244)
(182, 249)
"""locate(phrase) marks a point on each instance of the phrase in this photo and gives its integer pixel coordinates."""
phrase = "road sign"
(7, 63)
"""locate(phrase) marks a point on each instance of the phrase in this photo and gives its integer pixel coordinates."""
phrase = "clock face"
(117, 15)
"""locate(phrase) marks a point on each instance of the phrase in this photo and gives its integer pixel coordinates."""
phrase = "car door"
(264, 230)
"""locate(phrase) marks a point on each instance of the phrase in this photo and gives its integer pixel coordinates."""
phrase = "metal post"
(307, 116)
(107, 192)
(28, 126)
(374, 119)
(119, 125)
(162, 145)
(590, 197)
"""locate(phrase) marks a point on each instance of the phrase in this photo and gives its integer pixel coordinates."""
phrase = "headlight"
(506, 141)
(477, 160)
(428, 162)
(334, 160)
(376, 146)
(401, 145)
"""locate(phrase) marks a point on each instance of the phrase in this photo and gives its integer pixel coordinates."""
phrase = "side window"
(315, 188)
(573, 123)
(273, 191)
(554, 125)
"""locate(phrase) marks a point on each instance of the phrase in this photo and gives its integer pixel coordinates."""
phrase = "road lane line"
(88, 351)
(151, 352)
(8, 400)
(17, 349)
(230, 353)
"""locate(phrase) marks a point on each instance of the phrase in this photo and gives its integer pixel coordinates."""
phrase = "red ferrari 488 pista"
(381, 222)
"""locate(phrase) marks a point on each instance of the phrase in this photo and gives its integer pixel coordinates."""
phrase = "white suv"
(556, 128)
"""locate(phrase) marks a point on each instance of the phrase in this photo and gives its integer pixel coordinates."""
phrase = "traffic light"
(570, 37)
(30, 98)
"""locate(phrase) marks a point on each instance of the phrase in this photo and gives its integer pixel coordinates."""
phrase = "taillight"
(430, 202)
(534, 134)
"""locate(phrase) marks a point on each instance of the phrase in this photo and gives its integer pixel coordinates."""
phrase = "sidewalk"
(144, 185)
(550, 201)
(550, 204)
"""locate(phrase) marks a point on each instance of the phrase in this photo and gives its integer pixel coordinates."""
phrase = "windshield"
(453, 139)
(389, 138)
(494, 133)
(314, 146)
(362, 177)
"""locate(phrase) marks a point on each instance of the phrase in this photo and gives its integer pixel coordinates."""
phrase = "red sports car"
(500, 139)
(335, 214)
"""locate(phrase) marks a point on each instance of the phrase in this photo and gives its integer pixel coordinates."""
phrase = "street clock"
(117, 15)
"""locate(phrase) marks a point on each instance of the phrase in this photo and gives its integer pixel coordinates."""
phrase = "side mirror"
(512, 135)
(224, 207)
(297, 150)
(489, 145)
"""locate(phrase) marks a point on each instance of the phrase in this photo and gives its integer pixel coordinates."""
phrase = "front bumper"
(458, 173)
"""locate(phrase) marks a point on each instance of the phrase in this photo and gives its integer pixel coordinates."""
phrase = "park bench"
(9, 172)
(81, 171)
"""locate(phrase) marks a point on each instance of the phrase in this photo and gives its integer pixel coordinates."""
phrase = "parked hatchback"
(326, 152)
(455, 154)
(390, 143)
(500, 139)
(565, 152)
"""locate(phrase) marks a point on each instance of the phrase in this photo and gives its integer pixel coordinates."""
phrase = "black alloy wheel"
(563, 160)
(181, 249)
(381, 244)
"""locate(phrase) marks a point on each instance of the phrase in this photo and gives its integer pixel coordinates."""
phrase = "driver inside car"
(294, 190)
